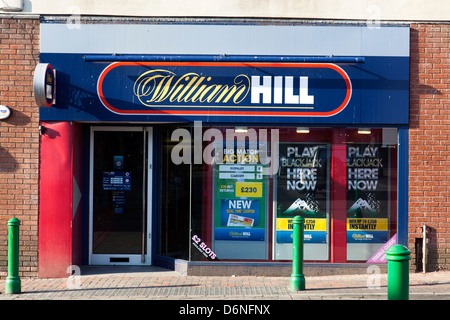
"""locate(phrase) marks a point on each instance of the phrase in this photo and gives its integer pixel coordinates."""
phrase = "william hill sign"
(224, 89)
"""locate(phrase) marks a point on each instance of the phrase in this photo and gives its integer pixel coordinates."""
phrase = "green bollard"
(12, 283)
(398, 257)
(297, 282)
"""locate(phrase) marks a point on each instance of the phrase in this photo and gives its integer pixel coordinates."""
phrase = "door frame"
(134, 259)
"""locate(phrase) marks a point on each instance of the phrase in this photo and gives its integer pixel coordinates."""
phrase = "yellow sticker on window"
(249, 189)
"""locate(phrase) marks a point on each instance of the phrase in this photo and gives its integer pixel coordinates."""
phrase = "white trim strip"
(207, 39)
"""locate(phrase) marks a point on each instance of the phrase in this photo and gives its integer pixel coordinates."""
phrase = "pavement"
(154, 283)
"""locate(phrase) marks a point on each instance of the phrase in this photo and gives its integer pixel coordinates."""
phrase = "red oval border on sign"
(223, 112)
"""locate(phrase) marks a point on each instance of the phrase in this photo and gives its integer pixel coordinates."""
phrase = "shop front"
(201, 142)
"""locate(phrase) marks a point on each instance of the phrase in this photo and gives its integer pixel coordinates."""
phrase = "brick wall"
(429, 179)
(19, 140)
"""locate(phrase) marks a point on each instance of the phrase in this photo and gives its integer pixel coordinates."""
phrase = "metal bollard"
(398, 257)
(12, 283)
(297, 282)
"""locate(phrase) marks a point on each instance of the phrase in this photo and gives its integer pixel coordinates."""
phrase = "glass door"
(120, 201)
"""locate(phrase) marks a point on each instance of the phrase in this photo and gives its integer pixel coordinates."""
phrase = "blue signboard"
(373, 90)
(224, 89)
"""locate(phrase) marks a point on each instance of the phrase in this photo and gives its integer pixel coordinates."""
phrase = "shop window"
(371, 190)
(237, 189)
(302, 187)
(174, 201)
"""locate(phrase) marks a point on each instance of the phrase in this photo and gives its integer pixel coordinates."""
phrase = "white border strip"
(208, 39)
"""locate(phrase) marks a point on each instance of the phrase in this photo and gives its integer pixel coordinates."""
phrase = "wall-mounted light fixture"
(11, 5)
(364, 131)
(240, 129)
(4, 112)
(302, 130)
(42, 129)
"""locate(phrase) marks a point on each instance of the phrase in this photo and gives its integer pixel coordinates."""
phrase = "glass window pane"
(371, 190)
(118, 189)
(174, 200)
(301, 188)
(216, 205)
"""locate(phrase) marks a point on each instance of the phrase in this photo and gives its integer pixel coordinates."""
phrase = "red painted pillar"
(339, 197)
(59, 191)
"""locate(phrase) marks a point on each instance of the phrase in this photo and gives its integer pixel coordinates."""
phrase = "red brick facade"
(19, 140)
(429, 143)
(429, 147)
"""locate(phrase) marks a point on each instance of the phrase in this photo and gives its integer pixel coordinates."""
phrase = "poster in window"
(367, 193)
(240, 196)
(302, 190)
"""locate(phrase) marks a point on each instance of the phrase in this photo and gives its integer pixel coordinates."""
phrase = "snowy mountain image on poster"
(299, 206)
(361, 206)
